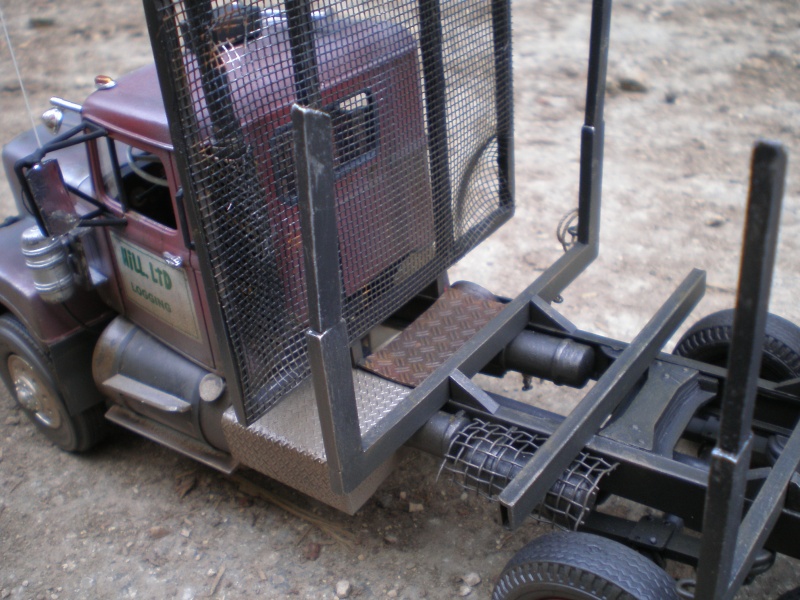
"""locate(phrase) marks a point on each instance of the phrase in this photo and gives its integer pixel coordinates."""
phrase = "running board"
(172, 439)
(146, 394)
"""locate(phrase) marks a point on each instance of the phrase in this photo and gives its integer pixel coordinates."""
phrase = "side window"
(355, 134)
(136, 178)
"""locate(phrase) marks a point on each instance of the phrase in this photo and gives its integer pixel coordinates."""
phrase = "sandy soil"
(691, 86)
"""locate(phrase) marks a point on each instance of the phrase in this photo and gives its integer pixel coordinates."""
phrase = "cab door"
(156, 271)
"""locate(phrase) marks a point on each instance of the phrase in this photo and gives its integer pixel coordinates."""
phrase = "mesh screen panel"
(419, 97)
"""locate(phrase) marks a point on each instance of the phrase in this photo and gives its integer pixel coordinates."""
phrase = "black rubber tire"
(582, 566)
(709, 341)
(73, 433)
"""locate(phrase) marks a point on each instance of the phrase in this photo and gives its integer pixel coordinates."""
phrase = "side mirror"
(50, 194)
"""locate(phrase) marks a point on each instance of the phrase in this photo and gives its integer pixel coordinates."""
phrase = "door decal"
(155, 287)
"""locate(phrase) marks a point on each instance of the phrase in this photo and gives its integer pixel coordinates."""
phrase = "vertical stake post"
(592, 132)
(328, 347)
(730, 459)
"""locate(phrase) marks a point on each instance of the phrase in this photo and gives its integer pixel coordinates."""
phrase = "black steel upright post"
(504, 97)
(592, 132)
(435, 105)
(304, 56)
(730, 460)
(212, 74)
(568, 267)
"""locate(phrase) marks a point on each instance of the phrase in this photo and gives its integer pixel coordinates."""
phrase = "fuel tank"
(139, 373)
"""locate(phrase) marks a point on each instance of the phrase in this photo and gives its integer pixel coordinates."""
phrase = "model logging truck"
(241, 252)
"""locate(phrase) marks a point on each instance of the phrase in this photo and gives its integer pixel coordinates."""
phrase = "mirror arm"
(72, 137)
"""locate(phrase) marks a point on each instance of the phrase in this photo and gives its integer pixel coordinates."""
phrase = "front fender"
(67, 332)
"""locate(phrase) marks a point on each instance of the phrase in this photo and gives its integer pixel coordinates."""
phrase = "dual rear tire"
(582, 566)
(709, 341)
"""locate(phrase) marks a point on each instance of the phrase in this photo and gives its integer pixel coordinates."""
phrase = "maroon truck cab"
(130, 230)
(370, 63)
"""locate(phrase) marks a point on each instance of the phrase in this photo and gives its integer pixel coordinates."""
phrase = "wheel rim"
(34, 394)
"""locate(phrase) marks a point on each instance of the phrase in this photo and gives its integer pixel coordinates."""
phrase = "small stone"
(471, 579)
(386, 501)
(464, 590)
(312, 551)
(715, 221)
(390, 538)
(391, 594)
(41, 22)
(185, 533)
(670, 97)
(211, 572)
(158, 532)
(403, 495)
(630, 84)
(361, 557)
(343, 588)
(12, 420)
(415, 507)
(185, 484)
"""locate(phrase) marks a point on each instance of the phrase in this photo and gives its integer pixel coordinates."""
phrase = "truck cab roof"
(133, 106)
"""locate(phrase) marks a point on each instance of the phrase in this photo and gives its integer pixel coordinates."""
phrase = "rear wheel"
(29, 376)
(581, 566)
(709, 341)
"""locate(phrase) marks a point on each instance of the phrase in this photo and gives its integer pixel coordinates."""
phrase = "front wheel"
(581, 566)
(29, 377)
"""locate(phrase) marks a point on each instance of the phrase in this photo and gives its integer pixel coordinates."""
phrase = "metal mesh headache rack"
(419, 99)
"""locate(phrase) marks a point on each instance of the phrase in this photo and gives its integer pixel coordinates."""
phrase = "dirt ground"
(692, 85)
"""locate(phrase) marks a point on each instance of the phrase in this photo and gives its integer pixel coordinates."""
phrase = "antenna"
(19, 76)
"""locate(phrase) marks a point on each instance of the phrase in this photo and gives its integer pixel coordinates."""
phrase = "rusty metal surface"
(433, 338)
(286, 443)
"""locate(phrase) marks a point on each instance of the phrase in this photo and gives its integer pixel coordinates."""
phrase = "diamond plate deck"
(286, 443)
(445, 327)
